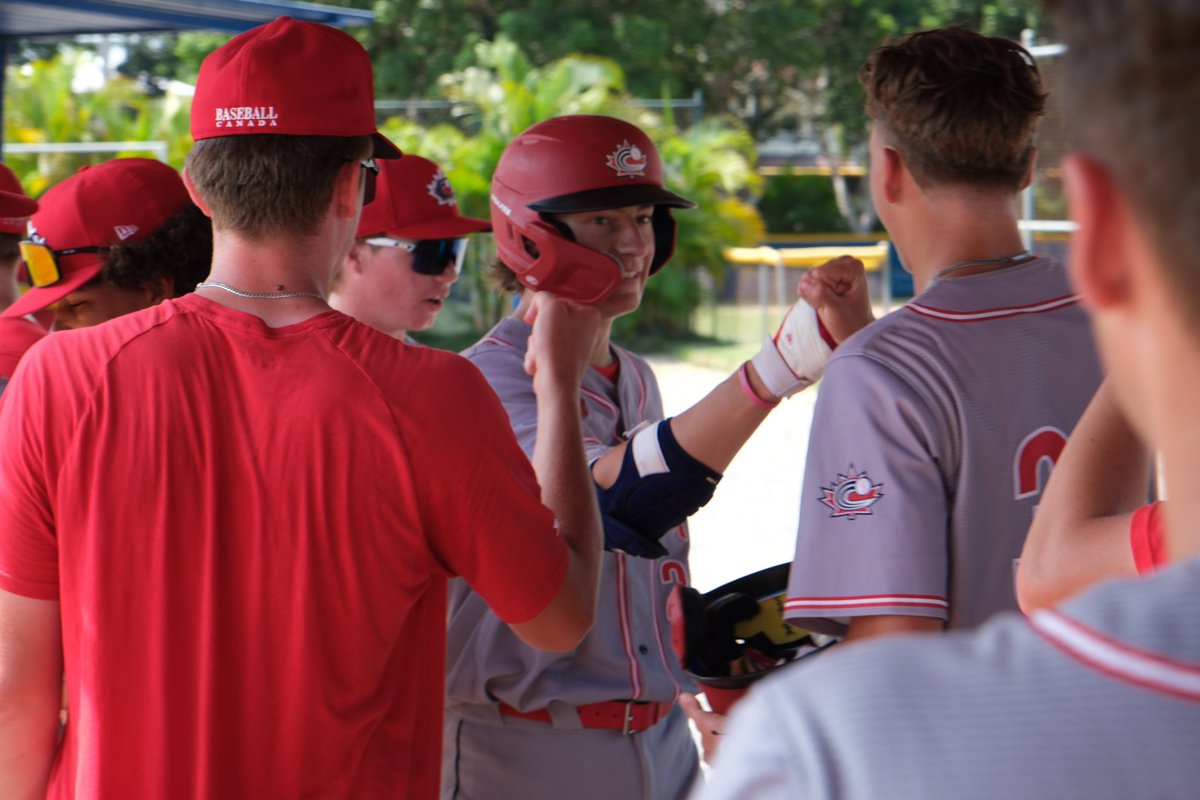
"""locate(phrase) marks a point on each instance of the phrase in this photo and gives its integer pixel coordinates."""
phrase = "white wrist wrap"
(796, 357)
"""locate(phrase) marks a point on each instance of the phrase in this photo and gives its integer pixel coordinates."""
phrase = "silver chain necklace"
(225, 287)
(992, 263)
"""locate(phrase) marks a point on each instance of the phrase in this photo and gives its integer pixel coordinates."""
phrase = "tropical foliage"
(711, 163)
(42, 107)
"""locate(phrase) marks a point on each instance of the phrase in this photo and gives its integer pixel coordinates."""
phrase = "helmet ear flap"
(561, 266)
(664, 237)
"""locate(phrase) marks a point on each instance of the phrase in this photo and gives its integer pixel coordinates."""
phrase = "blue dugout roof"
(31, 18)
(44, 19)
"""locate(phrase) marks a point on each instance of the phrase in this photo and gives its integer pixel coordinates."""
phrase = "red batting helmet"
(732, 636)
(571, 164)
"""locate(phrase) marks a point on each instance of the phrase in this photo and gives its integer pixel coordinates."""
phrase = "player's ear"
(1028, 179)
(355, 260)
(195, 195)
(347, 190)
(1102, 246)
(896, 175)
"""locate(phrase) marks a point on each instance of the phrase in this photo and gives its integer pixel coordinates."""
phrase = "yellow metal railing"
(777, 259)
(874, 256)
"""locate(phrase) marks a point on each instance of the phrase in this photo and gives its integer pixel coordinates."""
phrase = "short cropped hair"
(961, 108)
(268, 184)
(1131, 95)
(180, 251)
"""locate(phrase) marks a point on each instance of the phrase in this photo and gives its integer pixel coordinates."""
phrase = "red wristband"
(744, 377)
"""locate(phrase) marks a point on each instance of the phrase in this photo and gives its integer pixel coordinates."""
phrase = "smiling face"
(379, 287)
(626, 234)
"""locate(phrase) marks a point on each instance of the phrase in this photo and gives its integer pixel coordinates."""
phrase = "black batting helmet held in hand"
(734, 635)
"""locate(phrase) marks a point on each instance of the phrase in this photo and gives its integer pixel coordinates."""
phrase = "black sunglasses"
(430, 256)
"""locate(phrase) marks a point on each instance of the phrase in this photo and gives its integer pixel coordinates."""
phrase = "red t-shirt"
(249, 531)
(1146, 538)
(17, 334)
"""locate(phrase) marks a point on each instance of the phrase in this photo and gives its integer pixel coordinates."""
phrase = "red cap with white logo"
(119, 201)
(413, 200)
(15, 205)
(288, 77)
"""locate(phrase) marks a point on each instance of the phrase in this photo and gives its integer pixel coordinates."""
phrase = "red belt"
(626, 716)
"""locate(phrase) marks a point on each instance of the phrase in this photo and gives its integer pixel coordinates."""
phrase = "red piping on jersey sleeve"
(826, 605)
(1117, 659)
(1146, 538)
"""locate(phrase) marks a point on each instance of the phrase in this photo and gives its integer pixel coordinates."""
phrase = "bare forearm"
(712, 431)
(716, 428)
(1080, 533)
(30, 693)
(1104, 469)
(28, 734)
(561, 466)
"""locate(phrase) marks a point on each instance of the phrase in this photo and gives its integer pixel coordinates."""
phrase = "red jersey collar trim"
(1118, 660)
(993, 313)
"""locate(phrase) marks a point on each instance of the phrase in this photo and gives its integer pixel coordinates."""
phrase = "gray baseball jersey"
(1100, 699)
(626, 656)
(932, 437)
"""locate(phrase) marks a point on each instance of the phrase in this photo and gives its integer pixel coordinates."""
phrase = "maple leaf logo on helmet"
(439, 189)
(628, 160)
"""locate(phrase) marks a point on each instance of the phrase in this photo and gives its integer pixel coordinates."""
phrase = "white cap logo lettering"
(247, 117)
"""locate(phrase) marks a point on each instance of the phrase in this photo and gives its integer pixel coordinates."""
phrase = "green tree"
(154, 60)
(42, 107)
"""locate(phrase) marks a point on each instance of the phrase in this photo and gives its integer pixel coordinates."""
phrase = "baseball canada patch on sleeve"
(851, 494)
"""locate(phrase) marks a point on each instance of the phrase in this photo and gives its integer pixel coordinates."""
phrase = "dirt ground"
(750, 523)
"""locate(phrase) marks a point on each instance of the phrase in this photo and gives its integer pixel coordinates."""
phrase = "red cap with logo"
(288, 77)
(114, 203)
(413, 200)
(15, 205)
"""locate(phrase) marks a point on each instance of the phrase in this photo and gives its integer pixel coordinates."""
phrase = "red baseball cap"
(288, 77)
(413, 200)
(119, 201)
(15, 205)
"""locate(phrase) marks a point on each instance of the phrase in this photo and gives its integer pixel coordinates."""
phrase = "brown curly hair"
(180, 251)
(962, 108)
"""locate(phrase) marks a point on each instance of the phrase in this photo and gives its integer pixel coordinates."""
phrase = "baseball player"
(1099, 698)
(409, 252)
(16, 336)
(111, 239)
(231, 516)
(1092, 522)
(580, 209)
(936, 426)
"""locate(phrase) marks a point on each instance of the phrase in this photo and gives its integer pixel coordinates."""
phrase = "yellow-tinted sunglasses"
(42, 262)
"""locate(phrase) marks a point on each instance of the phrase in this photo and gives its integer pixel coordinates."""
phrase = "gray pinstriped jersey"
(933, 434)
(1098, 700)
(627, 654)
